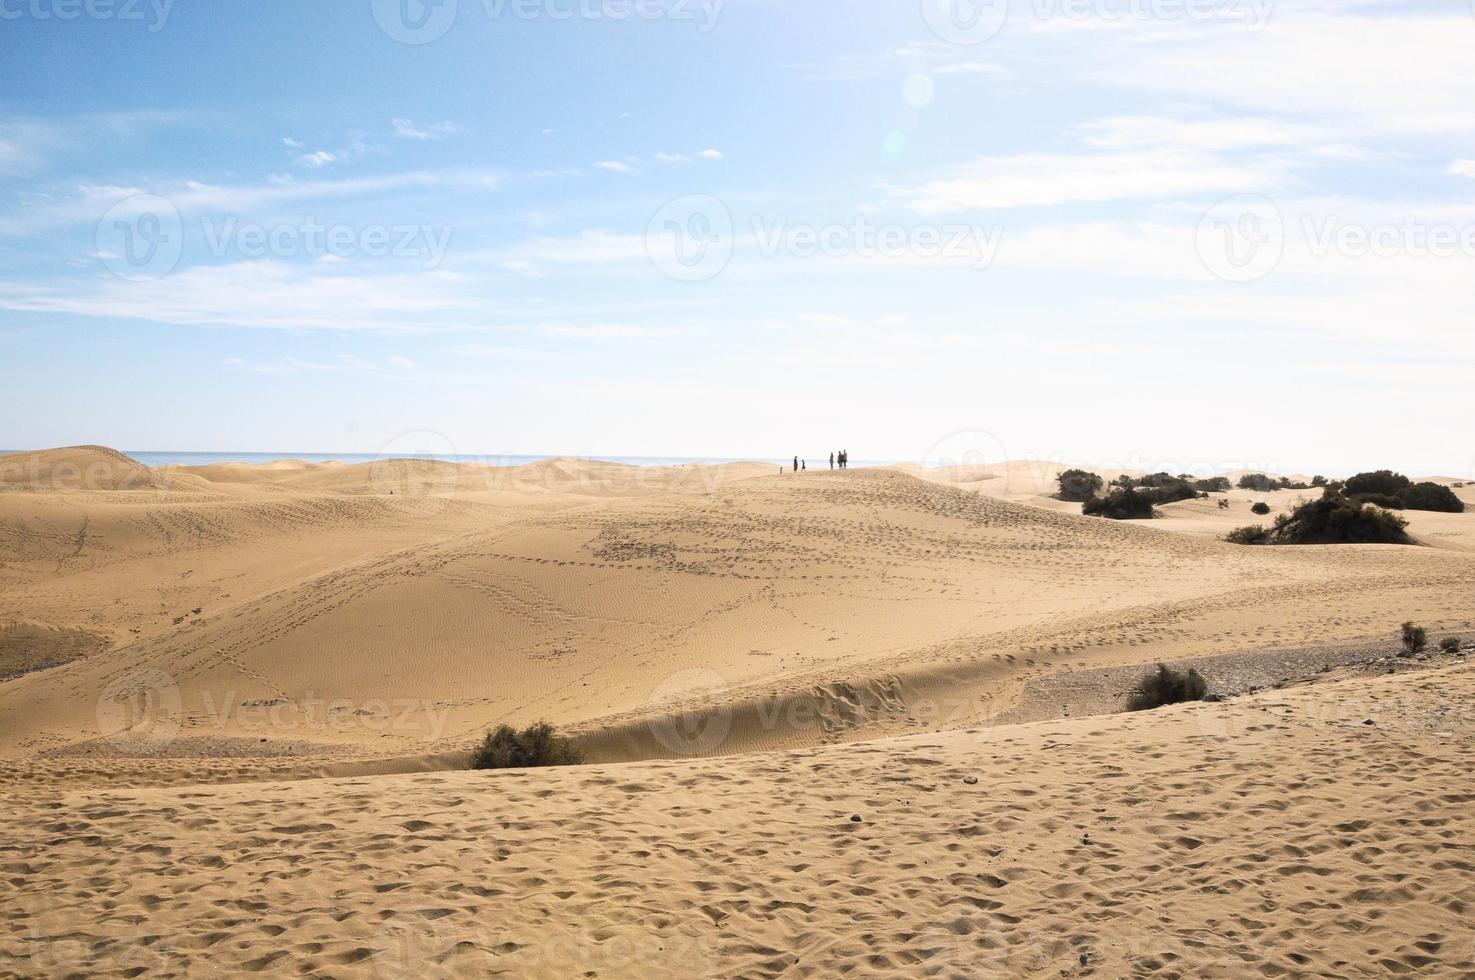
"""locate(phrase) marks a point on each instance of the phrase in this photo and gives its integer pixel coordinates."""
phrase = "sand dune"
(477, 600)
(1275, 835)
(210, 677)
(75, 468)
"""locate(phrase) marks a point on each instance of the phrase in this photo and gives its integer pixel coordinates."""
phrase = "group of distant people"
(842, 459)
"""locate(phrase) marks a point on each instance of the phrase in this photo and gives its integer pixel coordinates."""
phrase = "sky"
(1184, 235)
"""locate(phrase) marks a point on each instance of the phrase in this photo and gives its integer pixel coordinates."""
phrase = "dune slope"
(1317, 831)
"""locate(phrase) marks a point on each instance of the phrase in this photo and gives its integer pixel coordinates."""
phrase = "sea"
(165, 458)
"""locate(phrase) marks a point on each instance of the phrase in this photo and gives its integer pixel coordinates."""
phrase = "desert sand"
(238, 702)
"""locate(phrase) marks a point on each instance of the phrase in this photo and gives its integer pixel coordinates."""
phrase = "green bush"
(1256, 481)
(1432, 496)
(1414, 639)
(1449, 644)
(1121, 505)
(1260, 507)
(1378, 500)
(1214, 484)
(1079, 485)
(1166, 685)
(1331, 519)
(536, 745)
(1378, 481)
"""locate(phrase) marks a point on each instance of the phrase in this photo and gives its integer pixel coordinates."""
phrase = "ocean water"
(159, 458)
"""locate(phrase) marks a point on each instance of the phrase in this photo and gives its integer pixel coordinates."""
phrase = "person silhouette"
(832, 460)
(796, 464)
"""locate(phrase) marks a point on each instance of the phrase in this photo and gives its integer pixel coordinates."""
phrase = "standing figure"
(796, 464)
(832, 460)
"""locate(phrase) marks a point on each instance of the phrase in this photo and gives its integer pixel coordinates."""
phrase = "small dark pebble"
(970, 780)
(855, 818)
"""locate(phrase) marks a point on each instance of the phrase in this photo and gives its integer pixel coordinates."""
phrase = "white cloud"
(588, 247)
(290, 143)
(971, 68)
(1059, 178)
(711, 154)
(1231, 133)
(259, 294)
(614, 166)
(1461, 168)
(318, 158)
(401, 363)
(294, 365)
(523, 268)
(1323, 63)
(406, 129)
(191, 197)
(496, 350)
(672, 158)
(601, 331)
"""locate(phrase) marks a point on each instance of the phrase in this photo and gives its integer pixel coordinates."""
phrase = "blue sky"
(1178, 234)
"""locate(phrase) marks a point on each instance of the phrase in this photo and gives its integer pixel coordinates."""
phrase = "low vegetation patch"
(1121, 505)
(536, 745)
(1414, 639)
(1432, 496)
(1450, 644)
(1394, 490)
(1331, 519)
(1261, 483)
(1260, 507)
(1079, 485)
(1167, 685)
(1251, 534)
